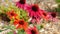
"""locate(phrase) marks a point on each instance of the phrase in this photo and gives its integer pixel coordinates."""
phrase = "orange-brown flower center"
(22, 1)
(21, 22)
(33, 32)
(12, 14)
(35, 8)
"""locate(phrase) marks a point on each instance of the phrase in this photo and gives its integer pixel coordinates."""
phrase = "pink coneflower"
(32, 30)
(21, 4)
(53, 16)
(34, 11)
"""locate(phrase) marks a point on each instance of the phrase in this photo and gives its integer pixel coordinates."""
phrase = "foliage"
(58, 1)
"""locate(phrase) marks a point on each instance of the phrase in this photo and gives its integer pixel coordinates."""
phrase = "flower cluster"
(33, 17)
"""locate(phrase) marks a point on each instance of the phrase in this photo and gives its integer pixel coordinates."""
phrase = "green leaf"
(0, 11)
(13, 27)
(39, 27)
(5, 9)
(21, 31)
(23, 15)
(10, 33)
(12, 20)
(1, 30)
(10, 27)
(58, 1)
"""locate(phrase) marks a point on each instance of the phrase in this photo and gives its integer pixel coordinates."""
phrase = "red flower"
(34, 12)
(11, 14)
(32, 30)
(45, 15)
(21, 24)
(21, 4)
